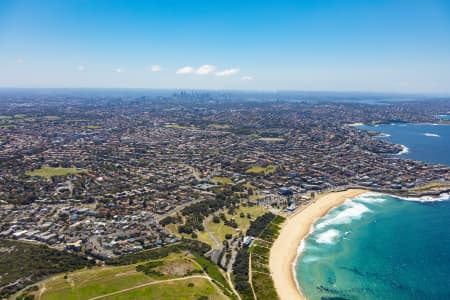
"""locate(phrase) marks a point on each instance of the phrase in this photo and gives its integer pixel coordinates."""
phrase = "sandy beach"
(296, 228)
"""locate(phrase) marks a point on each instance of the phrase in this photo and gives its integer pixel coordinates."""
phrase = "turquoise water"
(378, 247)
(425, 142)
(444, 117)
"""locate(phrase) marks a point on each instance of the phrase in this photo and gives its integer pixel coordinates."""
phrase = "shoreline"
(404, 150)
(296, 228)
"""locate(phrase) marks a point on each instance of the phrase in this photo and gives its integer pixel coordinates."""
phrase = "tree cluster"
(260, 223)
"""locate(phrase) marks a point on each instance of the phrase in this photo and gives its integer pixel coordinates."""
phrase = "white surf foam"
(309, 259)
(300, 249)
(403, 151)
(431, 134)
(353, 210)
(370, 198)
(441, 197)
(328, 237)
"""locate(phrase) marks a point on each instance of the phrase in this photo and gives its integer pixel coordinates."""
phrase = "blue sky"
(342, 45)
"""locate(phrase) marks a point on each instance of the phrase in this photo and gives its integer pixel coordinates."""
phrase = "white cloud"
(20, 60)
(186, 70)
(118, 70)
(81, 68)
(228, 72)
(205, 70)
(202, 70)
(246, 78)
(154, 68)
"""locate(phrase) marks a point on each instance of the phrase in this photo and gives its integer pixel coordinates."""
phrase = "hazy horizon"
(334, 46)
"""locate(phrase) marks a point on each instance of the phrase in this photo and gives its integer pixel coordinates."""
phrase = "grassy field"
(8, 126)
(177, 126)
(92, 127)
(51, 118)
(219, 230)
(169, 278)
(48, 172)
(219, 126)
(193, 288)
(429, 186)
(222, 180)
(269, 169)
(253, 136)
(28, 119)
(86, 284)
(202, 236)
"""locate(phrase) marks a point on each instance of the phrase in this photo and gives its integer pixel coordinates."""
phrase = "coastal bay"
(424, 142)
(350, 244)
(284, 250)
(378, 246)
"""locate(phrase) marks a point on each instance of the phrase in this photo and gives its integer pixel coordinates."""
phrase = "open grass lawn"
(253, 136)
(176, 266)
(430, 185)
(177, 126)
(90, 283)
(222, 180)
(99, 281)
(202, 236)
(28, 119)
(8, 126)
(255, 197)
(219, 126)
(92, 127)
(248, 185)
(219, 230)
(52, 118)
(173, 290)
(2, 117)
(269, 169)
(48, 172)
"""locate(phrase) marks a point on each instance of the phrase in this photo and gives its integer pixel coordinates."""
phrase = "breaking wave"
(441, 197)
(328, 237)
(403, 151)
(353, 210)
(431, 134)
(371, 198)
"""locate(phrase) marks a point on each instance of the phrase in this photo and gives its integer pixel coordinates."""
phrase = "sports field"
(48, 172)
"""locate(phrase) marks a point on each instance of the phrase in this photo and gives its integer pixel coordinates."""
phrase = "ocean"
(379, 246)
(425, 142)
